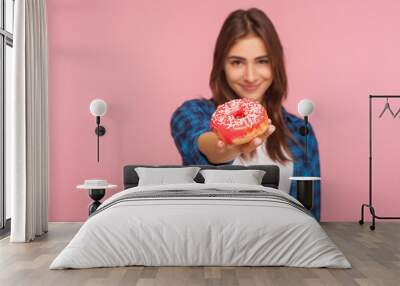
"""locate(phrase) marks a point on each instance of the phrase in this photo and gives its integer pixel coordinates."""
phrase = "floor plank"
(374, 255)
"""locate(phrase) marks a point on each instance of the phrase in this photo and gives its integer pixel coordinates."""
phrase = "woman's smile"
(250, 88)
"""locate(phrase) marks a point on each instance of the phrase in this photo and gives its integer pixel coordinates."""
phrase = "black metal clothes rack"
(369, 205)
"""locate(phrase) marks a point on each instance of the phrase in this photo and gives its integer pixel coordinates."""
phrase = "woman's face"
(248, 69)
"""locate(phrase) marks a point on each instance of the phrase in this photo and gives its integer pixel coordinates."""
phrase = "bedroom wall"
(146, 57)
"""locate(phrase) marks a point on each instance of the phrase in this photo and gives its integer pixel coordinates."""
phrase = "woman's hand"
(248, 149)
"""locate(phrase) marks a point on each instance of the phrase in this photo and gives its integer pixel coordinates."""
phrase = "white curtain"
(27, 125)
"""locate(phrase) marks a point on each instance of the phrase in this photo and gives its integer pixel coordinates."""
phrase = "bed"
(201, 224)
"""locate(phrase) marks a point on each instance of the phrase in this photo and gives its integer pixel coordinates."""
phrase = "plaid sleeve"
(314, 171)
(188, 122)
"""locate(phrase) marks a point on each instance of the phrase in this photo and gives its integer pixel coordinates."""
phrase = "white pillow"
(249, 177)
(162, 176)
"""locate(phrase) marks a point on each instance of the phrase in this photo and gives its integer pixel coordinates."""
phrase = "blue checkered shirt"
(193, 117)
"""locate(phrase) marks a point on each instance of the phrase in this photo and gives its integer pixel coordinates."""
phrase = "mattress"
(201, 225)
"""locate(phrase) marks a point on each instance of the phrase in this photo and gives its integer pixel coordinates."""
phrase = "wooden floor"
(374, 255)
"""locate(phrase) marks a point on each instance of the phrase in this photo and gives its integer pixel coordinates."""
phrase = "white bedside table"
(97, 189)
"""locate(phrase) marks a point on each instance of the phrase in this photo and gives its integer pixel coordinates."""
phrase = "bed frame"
(270, 179)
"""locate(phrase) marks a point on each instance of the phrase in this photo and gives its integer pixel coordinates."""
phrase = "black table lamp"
(98, 108)
(305, 108)
(305, 183)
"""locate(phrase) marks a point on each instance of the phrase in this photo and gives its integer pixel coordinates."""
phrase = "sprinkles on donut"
(239, 121)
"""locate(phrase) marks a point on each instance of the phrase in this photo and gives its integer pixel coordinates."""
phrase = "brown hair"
(239, 24)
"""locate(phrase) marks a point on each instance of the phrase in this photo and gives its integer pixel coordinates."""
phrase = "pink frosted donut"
(240, 120)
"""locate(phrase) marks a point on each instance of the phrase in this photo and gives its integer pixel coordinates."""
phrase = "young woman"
(248, 63)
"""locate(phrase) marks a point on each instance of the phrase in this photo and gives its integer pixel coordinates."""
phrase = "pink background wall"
(146, 57)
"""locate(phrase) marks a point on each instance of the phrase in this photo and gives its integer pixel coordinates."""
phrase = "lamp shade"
(305, 107)
(98, 107)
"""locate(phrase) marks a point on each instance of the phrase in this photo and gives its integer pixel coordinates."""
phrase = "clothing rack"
(369, 205)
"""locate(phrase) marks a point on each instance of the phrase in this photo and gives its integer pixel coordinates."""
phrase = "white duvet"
(200, 231)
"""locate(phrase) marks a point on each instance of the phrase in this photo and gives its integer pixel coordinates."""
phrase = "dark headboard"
(270, 179)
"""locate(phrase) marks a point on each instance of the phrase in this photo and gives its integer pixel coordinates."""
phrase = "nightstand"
(305, 190)
(97, 190)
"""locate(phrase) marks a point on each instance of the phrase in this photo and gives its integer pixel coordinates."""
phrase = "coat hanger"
(387, 106)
